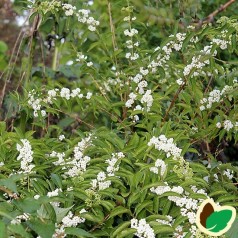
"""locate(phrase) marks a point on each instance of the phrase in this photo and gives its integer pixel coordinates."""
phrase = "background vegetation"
(113, 112)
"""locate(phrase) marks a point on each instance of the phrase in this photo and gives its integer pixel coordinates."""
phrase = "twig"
(114, 43)
(173, 101)
(76, 118)
(100, 223)
(211, 16)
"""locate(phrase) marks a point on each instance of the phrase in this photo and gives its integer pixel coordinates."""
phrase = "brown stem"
(173, 101)
(211, 16)
(112, 26)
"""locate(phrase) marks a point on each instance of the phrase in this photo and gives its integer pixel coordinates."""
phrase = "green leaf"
(3, 230)
(127, 232)
(61, 212)
(218, 220)
(10, 184)
(77, 232)
(118, 211)
(18, 229)
(143, 206)
(43, 229)
(120, 228)
(233, 231)
(3, 47)
(28, 205)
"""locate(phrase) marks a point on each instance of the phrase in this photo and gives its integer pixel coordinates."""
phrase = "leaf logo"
(214, 220)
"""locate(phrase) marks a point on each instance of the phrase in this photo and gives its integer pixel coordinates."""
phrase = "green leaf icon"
(218, 220)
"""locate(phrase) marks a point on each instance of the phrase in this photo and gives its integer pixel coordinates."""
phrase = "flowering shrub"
(120, 137)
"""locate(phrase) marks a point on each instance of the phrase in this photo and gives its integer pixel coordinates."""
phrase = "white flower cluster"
(52, 94)
(180, 81)
(100, 182)
(83, 17)
(54, 193)
(25, 156)
(112, 167)
(147, 99)
(76, 165)
(161, 143)
(79, 162)
(178, 41)
(179, 233)
(227, 124)
(81, 58)
(60, 157)
(69, 220)
(67, 94)
(141, 85)
(146, 96)
(130, 32)
(165, 52)
(131, 100)
(188, 205)
(216, 96)
(228, 173)
(69, 9)
(197, 64)
(166, 188)
(20, 218)
(128, 18)
(197, 61)
(72, 221)
(222, 43)
(159, 164)
(143, 229)
(168, 222)
(37, 103)
(61, 137)
(131, 45)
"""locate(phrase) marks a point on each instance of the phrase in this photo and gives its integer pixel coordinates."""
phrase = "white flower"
(143, 229)
(129, 103)
(101, 176)
(126, 18)
(228, 173)
(69, 9)
(89, 64)
(54, 193)
(131, 32)
(25, 156)
(65, 93)
(163, 144)
(104, 185)
(92, 28)
(61, 137)
(228, 125)
(89, 95)
(179, 81)
(148, 99)
(218, 125)
(36, 196)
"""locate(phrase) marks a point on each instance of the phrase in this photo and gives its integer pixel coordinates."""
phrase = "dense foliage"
(123, 119)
